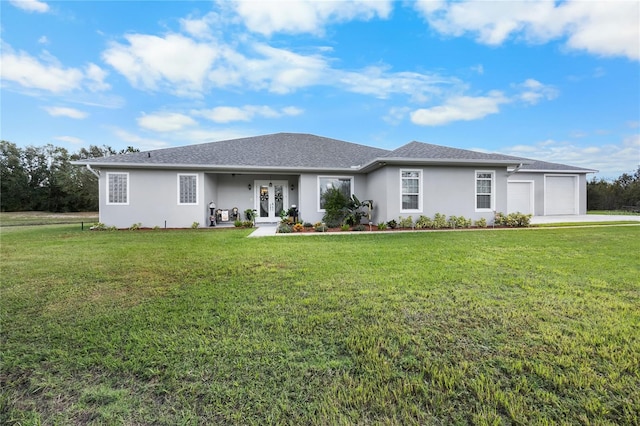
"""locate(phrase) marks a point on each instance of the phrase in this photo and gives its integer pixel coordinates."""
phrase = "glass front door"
(271, 198)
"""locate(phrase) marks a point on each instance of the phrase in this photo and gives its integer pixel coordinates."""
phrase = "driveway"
(538, 220)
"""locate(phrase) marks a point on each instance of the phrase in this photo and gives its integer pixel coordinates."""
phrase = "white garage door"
(560, 195)
(520, 197)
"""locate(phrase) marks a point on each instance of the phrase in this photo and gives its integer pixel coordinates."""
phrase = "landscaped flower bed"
(439, 221)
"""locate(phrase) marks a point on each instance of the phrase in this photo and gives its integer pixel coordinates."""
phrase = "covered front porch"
(229, 195)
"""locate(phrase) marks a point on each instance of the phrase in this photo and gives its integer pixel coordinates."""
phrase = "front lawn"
(47, 218)
(528, 326)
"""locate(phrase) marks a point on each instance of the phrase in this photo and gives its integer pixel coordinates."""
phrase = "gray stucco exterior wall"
(538, 179)
(152, 201)
(153, 198)
(446, 190)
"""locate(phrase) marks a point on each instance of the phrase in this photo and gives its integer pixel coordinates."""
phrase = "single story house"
(176, 187)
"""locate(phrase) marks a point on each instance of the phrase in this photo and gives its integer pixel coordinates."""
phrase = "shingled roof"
(426, 151)
(300, 151)
(275, 151)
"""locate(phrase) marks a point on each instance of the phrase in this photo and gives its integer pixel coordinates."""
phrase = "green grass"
(565, 224)
(531, 326)
(614, 212)
(46, 218)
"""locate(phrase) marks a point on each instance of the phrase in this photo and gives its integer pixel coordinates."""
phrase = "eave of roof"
(383, 161)
(216, 168)
(563, 171)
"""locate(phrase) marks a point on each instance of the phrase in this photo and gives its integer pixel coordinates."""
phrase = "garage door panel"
(520, 197)
(560, 195)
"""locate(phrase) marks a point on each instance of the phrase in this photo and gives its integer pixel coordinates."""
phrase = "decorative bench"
(227, 215)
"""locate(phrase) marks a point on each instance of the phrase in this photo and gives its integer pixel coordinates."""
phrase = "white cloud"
(43, 40)
(137, 141)
(165, 121)
(203, 27)
(70, 139)
(227, 114)
(608, 28)
(209, 135)
(611, 160)
(31, 5)
(378, 82)
(292, 111)
(95, 78)
(306, 16)
(175, 63)
(532, 91)
(459, 108)
(66, 112)
(46, 73)
(280, 70)
(27, 71)
(478, 68)
(396, 115)
(158, 64)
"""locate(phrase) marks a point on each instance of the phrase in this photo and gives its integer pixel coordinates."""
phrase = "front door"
(271, 198)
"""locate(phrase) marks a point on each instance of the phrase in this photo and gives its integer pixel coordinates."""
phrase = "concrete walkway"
(264, 230)
(540, 220)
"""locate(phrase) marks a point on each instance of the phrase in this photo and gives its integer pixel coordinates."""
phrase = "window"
(484, 190)
(410, 190)
(117, 188)
(326, 183)
(187, 189)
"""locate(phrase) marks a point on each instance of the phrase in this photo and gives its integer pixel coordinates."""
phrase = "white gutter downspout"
(97, 174)
(518, 167)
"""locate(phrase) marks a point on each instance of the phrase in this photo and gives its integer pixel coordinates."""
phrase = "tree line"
(43, 179)
(620, 194)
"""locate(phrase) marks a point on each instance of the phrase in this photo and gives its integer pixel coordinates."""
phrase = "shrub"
(135, 226)
(247, 224)
(237, 223)
(459, 222)
(283, 228)
(481, 223)
(521, 219)
(439, 221)
(250, 214)
(359, 228)
(307, 225)
(298, 227)
(424, 222)
(354, 210)
(335, 203)
(98, 227)
(382, 226)
(392, 224)
(321, 228)
(156, 228)
(195, 225)
(514, 220)
(333, 223)
(406, 222)
(344, 227)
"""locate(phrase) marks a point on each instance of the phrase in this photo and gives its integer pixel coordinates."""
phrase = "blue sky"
(555, 81)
